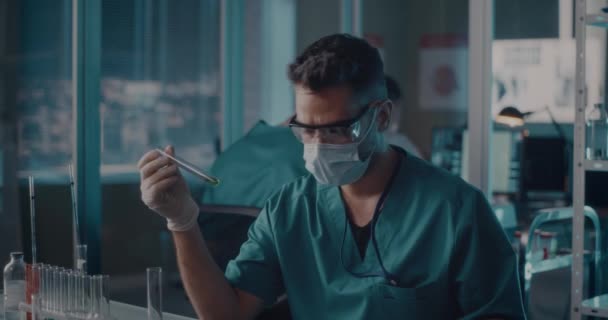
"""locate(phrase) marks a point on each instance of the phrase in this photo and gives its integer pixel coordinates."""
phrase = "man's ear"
(384, 115)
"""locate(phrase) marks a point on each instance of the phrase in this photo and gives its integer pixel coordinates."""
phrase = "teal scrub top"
(256, 166)
(435, 233)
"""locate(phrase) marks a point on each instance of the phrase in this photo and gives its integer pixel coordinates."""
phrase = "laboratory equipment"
(84, 296)
(45, 272)
(190, 168)
(71, 286)
(516, 243)
(14, 286)
(36, 307)
(42, 288)
(545, 240)
(55, 287)
(535, 253)
(447, 149)
(32, 218)
(95, 297)
(63, 278)
(597, 133)
(154, 278)
(81, 258)
(546, 280)
(104, 303)
(76, 296)
(66, 294)
(32, 279)
(553, 245)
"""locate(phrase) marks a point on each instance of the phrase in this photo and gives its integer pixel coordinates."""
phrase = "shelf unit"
(597, 20)
(596, 165)
(595, 306)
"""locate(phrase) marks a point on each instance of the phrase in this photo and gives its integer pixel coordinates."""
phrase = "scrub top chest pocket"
(393, 302)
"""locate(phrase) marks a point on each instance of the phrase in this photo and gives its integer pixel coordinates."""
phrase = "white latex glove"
(164, 190)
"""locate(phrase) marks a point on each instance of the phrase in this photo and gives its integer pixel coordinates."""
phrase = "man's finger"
(163, 185)
(151, 167)
(162, 173)
(149, 156)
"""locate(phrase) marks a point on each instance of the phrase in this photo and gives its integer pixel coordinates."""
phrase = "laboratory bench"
(123, 311)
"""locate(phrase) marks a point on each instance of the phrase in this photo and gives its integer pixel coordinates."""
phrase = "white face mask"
(337, 164)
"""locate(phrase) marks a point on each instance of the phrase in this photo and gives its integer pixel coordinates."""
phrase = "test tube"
(86, 295)
(105, 297)
(77, 293)
(63, 291)
(33, 285)
(41, 267)
(36, 307)
(94, 299)
(55, 290)
(49, 290)
(81, 258)
(71, 291)
(32, 220)
(79, 298)
(36, 268)
(154, 278)
(190, 168)
(44, 286)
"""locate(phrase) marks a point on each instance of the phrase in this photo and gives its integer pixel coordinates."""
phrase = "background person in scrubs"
(393, 136)
(371, 233)
(256, 166)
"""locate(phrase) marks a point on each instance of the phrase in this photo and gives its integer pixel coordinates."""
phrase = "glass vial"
(597, 133)
(14, 286)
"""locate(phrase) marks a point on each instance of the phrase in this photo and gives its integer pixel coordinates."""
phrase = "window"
(159, 85)
(43, 102)
(159, 81)
(36, 112)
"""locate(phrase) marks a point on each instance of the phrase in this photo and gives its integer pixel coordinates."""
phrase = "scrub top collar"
(372, 265)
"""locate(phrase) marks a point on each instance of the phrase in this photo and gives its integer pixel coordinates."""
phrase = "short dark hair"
(338, 60)
(392, 88)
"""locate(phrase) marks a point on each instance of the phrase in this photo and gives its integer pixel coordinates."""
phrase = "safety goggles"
(341, 132)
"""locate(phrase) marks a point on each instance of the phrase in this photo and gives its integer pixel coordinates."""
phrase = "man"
(371, 233)
(393, 136)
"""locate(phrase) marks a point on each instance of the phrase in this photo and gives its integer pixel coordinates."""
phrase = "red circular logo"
(444, 80)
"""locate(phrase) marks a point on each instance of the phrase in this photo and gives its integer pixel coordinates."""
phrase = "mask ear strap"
(387, 121)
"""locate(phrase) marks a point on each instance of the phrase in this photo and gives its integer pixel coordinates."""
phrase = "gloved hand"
(164, 190)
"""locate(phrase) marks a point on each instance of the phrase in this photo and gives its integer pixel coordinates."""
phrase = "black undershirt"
(362, 236)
